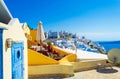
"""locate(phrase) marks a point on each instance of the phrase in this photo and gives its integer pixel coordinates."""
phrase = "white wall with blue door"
(15, 33)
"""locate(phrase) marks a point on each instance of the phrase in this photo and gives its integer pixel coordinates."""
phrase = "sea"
(110, 44)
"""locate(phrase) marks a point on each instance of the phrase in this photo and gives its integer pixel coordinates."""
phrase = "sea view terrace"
(69, 58)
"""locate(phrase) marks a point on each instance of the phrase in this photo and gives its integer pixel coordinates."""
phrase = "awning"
(5, 15)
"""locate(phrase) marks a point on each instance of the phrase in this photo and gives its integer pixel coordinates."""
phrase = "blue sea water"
(110, 44)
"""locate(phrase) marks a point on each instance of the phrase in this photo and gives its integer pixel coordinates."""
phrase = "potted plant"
(49, 47)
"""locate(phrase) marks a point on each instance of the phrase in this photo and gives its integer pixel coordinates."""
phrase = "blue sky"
(95, 19)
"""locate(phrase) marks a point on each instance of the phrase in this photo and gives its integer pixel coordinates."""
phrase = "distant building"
(66, 33)
(49, 34)
(61, 34)
(53, 35)
(74, 36)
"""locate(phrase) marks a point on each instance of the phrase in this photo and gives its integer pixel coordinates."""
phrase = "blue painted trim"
(1, 54)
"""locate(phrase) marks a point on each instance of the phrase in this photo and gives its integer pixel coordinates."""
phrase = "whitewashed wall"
(16, 33)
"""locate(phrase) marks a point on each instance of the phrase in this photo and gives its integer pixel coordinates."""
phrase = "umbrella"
(40, 33)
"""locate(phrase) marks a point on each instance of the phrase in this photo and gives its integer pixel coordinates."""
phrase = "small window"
(18, 54)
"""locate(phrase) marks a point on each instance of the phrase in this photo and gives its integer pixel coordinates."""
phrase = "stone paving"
(101, 73)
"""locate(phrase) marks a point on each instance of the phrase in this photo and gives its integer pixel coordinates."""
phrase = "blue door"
(1, 55)
(17, 61)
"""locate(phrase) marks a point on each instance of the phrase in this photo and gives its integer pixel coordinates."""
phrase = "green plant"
(49, 43)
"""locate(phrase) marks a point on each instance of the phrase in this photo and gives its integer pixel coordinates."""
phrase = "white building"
(53, 35)
(13, 47)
